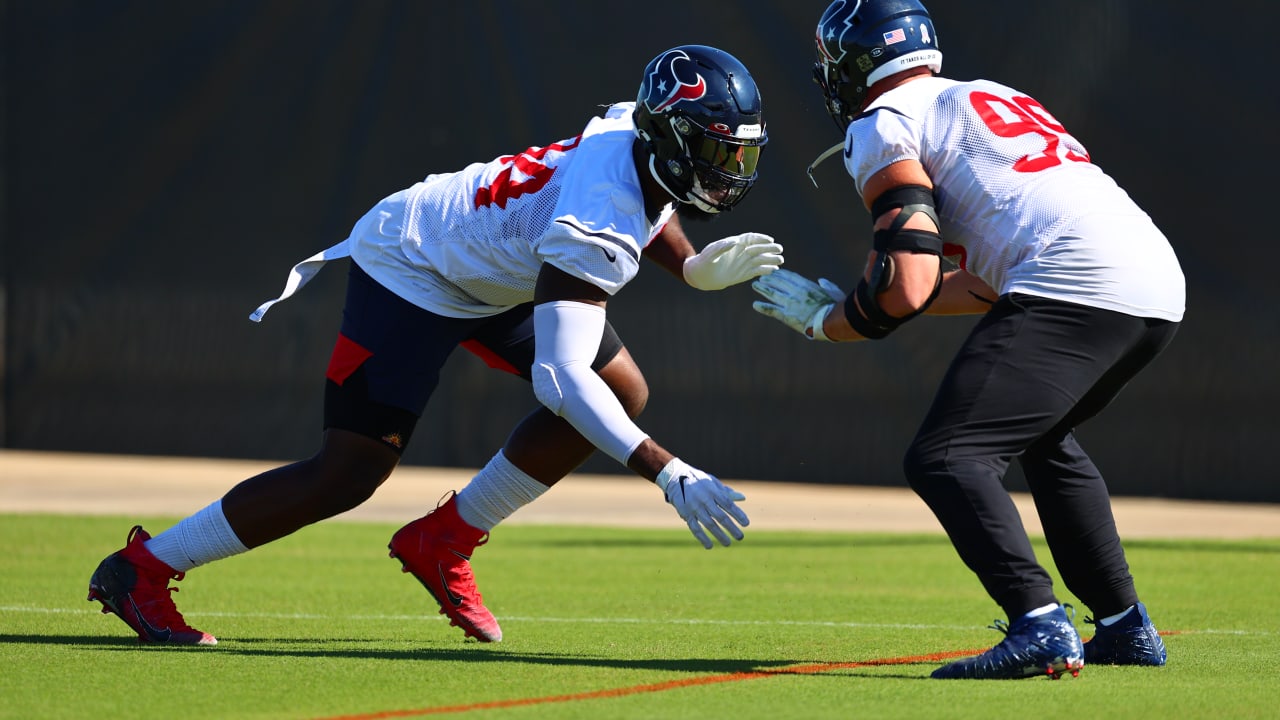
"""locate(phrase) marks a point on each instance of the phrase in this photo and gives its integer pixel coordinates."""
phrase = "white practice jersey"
(1018, 198)
(471, 243)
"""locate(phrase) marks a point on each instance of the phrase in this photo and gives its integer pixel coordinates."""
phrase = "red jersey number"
(1021, 116)
(534, 175)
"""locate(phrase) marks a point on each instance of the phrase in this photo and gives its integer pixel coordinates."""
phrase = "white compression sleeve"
(497, 491)
(567, 336)
(196, 540)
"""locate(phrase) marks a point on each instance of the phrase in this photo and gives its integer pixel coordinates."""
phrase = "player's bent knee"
(634, 398)
(923, 467)
(347, 488)
(348, 469)
(629, 386)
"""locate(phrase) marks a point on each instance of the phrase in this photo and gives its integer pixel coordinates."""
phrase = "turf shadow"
(474, 653)
(279, 647)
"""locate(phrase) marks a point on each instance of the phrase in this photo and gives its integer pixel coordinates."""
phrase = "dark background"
(164, 164)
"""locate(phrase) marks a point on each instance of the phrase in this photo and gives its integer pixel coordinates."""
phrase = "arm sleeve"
(566, 337)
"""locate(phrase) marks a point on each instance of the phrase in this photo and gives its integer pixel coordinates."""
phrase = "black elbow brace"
(873, 322)
(864, 326)
(877, 323)
(910, 199)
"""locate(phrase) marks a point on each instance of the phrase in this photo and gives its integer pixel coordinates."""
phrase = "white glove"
(797, 302)
(702, 500)
(732, 260)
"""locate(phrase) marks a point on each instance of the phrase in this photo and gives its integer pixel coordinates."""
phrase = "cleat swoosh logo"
(153, 633)
(455, 599)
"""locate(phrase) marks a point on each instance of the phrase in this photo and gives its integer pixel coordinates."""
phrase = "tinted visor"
(724, 171)
(729, 156)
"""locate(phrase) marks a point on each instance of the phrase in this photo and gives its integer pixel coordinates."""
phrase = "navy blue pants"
(1032, 370)
(387, 360)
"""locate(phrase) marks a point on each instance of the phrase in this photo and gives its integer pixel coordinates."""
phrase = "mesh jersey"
(471, 243)
(1018, 198)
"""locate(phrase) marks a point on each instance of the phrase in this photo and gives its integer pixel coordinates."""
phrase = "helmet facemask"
(835, 85)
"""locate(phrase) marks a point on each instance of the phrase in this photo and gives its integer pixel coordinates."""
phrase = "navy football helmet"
(863, 41)
(698, 116)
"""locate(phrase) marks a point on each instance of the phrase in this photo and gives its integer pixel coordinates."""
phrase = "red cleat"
(436, 549)
(134, 584)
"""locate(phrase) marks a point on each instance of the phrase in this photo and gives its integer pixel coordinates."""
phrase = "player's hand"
(702, 501)
(732, 260)
(796, 301)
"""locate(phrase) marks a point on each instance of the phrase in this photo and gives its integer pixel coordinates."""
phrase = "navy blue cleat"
(1032, 647)
(1131, 640)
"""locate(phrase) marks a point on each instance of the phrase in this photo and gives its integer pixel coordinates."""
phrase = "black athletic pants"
(1031, 371)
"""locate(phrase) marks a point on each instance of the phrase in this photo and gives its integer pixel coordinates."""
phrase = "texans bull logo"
(830, 37)
(674, 79)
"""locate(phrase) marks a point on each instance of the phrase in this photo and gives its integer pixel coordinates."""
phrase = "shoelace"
(160, 599)
(1003, 625)
(483, 538)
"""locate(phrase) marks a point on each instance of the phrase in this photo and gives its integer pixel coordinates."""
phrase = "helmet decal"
(673, 80)
(829, 38)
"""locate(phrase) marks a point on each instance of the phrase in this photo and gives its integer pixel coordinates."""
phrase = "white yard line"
(599, 621)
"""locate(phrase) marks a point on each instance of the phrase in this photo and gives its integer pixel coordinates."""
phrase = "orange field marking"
(655, 687)
(669, 685)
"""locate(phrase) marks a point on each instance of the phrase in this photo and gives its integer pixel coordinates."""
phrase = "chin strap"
(825, 154)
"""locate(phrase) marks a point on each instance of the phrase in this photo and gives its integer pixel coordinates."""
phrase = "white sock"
(1109, 620)
(199, 539)
(1042, 610)
(498, 490)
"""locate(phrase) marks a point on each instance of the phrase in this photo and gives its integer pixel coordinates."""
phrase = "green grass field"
(605, 623)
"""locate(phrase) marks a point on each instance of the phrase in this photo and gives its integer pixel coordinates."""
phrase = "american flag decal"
(894, 36)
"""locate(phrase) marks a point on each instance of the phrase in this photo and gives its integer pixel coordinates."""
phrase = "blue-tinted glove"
(702, 501)
(796, 301)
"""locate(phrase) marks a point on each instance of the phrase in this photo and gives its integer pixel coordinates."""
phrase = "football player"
(1079, 289)
(515, 260)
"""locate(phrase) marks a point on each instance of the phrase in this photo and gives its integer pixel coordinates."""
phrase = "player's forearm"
(668, 258)
(671, 248)
(962, 293)
(836, 326)
(648, 459)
